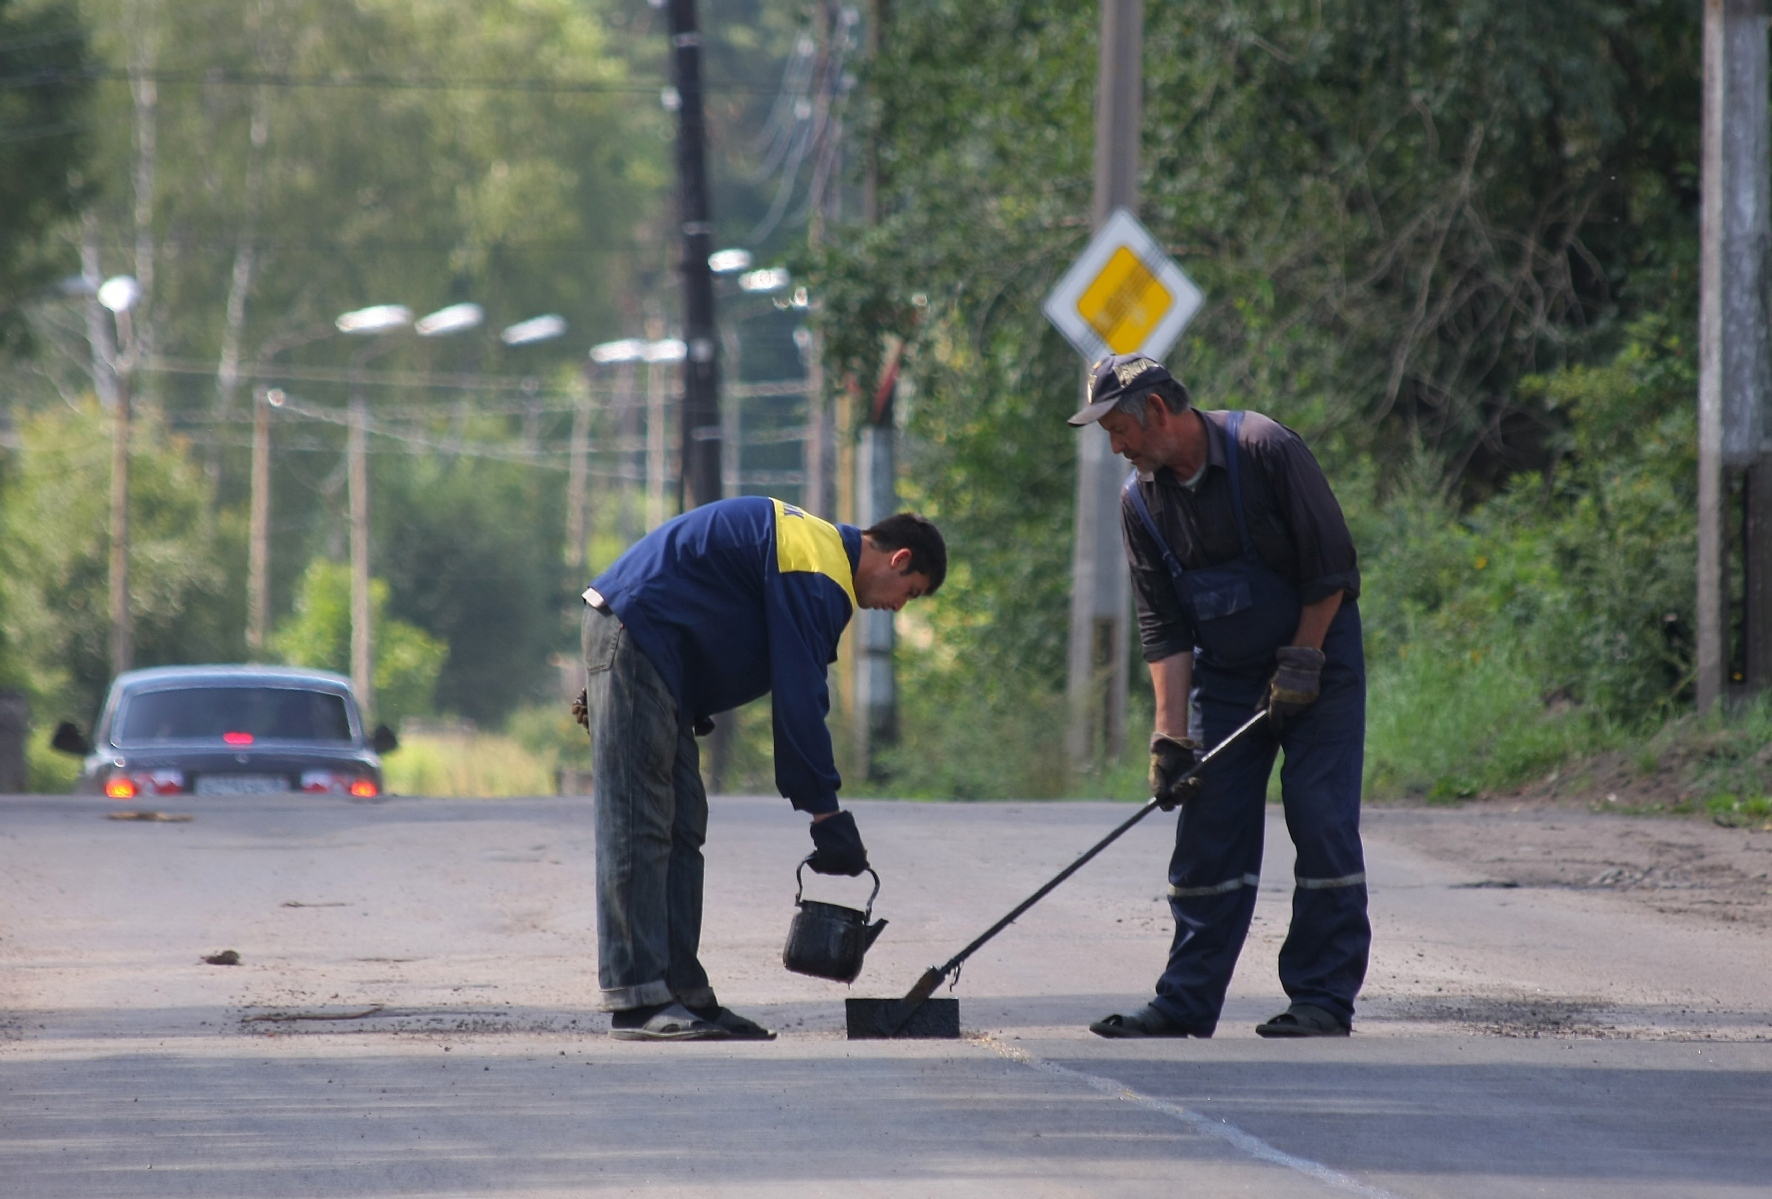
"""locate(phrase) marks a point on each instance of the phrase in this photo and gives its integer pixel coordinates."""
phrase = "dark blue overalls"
(1242, 612)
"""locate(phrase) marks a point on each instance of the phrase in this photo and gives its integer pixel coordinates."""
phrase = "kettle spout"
(873, 934)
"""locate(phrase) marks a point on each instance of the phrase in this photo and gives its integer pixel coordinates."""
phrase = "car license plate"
(240, 784)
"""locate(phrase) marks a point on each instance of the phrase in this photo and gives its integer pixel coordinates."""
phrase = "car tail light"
(337, 782)
(145, 782)
(237, 738)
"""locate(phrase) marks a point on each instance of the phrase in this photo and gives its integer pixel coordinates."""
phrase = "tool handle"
(1149, 807)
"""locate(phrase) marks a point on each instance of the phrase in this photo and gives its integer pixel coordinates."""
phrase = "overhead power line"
(218, 76)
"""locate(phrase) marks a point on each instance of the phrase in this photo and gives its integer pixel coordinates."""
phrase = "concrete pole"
(258, 552)
(1100, 591)
(576, 475)
(815, 493)
(1733, 357)
(876, 687)
(362, 636)
(657, 468)
(122, 635)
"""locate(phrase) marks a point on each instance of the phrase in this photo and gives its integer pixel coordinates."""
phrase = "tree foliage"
(1398, 212)
(185, 602)
(318, 635)
(43, 145)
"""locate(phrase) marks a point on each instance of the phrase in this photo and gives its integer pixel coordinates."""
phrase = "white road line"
(1246, 1143)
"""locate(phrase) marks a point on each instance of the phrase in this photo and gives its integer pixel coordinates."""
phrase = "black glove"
(1172, 757)
(1295, 683)
(702, 727)
(837, 847)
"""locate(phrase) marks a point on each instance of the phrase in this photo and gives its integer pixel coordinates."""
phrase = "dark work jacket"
(742, 598)
(1293, 517)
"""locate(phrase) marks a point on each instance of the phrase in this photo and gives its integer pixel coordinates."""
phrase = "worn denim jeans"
(651, 817)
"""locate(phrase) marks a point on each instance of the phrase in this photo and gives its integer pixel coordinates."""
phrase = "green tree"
(318, 635)
(470, 547)
(185, 601)
(43, 146)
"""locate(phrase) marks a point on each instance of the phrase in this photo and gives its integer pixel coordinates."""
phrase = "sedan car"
(228, 730)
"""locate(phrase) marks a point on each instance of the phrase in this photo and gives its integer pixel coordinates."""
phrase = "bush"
(318, 635)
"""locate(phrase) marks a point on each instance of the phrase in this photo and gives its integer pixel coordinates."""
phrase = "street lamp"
(536, 328)
(119, 294)
(729, 262)
(457, 318)
(769, 279)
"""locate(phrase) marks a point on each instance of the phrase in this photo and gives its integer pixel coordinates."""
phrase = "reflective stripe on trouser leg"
(1329, 884)
(1323, 961)
(1231, 884)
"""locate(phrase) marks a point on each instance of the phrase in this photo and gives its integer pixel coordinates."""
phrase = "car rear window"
(233, 714)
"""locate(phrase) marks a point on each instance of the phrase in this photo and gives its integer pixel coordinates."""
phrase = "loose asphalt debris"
(227, 957)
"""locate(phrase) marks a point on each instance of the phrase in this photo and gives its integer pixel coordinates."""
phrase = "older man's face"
(1146, 446)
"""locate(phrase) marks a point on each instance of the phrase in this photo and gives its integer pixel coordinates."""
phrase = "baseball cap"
(1117, 376)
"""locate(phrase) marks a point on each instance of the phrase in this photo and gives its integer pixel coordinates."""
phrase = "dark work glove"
(1295, 683)
(702, 726)
(1172, 757)
(581, 708)
(837, 847)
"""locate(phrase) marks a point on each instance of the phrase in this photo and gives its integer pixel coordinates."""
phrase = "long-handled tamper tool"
(917, 1015)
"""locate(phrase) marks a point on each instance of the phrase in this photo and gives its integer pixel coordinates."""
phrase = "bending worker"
(709, 611)
(1246, 582)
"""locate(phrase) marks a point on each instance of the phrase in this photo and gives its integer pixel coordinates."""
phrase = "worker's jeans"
(1218, 841)
(651, 820)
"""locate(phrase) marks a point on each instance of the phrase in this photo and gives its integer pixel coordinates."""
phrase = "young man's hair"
(1171, 394)
(918, 534)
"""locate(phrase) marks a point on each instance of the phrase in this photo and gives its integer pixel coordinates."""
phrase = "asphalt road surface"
(413, 1014)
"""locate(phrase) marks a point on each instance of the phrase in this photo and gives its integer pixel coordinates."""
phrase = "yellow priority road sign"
(1123, 295)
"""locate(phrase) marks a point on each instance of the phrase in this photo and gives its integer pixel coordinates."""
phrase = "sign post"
(1123, 295)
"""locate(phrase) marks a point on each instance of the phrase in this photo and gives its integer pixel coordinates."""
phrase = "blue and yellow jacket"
(737, 599)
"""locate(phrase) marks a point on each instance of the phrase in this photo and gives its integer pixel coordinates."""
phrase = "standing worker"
(1246, 583)
(709, 611)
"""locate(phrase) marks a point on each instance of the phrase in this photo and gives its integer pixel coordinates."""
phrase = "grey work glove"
(1172, 757)
(837, 847)
(1295, 684)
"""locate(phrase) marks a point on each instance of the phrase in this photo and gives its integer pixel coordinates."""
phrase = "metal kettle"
(827, 940)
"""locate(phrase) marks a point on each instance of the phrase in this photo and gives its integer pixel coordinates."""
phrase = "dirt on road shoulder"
(1684, 866)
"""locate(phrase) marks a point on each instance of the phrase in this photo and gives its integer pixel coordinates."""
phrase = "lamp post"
(119, 294)
(371, 323)
(623, 355)
(535, 330)
(258, 551)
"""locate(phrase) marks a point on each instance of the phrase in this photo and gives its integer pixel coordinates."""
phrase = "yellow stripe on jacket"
(805, 543)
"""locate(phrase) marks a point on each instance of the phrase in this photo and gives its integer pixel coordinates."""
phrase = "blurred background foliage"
(1452, 242)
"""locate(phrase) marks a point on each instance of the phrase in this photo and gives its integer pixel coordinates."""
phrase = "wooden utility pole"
(362, 635)
(258, 554)
(701, 365)
(1100, 593)
(1734, 362)
(122, 636)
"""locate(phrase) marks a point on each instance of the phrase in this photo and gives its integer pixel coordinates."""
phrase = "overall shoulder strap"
(1233, 428)
(1133, 490)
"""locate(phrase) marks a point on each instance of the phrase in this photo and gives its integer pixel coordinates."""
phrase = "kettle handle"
(800, 887)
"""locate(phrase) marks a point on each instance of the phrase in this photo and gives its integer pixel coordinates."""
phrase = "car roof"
(229, 676)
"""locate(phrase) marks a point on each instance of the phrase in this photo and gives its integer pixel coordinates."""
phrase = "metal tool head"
(883, 1019)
